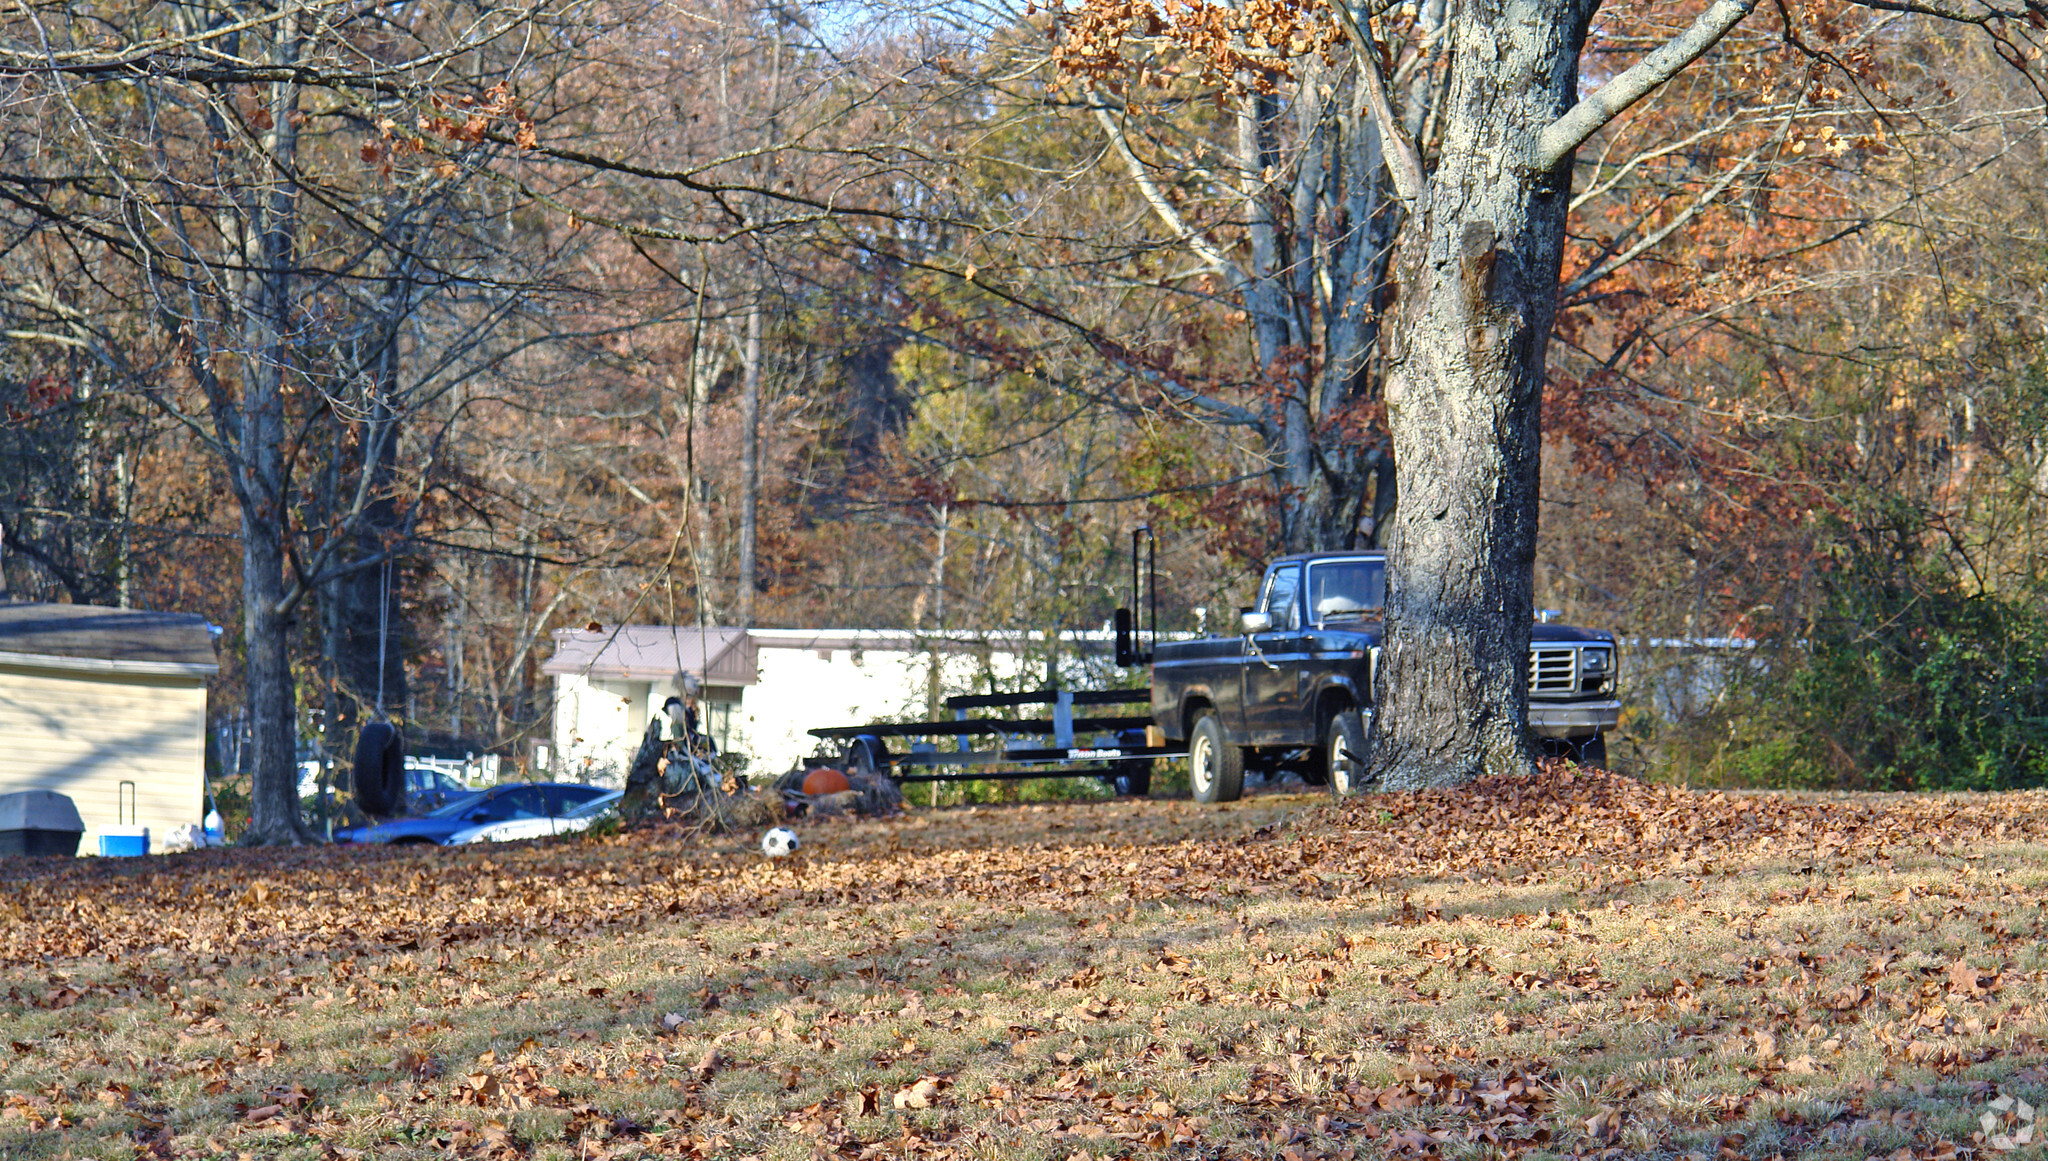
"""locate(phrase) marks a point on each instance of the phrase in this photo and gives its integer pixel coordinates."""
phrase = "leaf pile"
(1570, 964)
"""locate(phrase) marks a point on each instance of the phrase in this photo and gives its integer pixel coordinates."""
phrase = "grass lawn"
(1572, 965)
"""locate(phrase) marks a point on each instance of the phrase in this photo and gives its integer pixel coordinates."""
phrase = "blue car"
(513, 800)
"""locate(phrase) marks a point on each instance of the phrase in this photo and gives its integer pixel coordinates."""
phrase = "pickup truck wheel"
(1215, 769)
(1344, 755)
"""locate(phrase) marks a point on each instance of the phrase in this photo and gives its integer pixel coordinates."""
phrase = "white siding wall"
(83, 734)
(803, 688)
(597, 726)
(599, 722)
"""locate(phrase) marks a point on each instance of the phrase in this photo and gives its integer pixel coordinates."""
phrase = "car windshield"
(455, 808)
(1339, 589)
(598, 805)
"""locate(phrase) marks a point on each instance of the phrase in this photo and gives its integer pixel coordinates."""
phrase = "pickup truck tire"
(1344, 755)
(1215, 768)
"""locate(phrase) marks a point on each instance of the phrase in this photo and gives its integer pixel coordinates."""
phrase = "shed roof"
(92, 637)
(655, 653)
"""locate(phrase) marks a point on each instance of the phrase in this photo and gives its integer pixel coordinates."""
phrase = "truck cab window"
(1282, 586)
(1347, 589)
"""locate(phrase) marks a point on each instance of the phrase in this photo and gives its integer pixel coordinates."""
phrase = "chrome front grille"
(1553, 670)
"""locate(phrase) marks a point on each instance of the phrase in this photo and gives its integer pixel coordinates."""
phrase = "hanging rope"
(383, 631)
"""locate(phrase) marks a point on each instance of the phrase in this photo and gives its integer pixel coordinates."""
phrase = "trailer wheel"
(1344, 754)
(1215, 768)
(866, 756)
(1131, 778)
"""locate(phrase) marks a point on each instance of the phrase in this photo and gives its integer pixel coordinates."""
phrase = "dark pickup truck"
(1293, 691)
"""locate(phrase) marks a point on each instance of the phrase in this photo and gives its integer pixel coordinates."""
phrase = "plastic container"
(125, 839)
(121, 841)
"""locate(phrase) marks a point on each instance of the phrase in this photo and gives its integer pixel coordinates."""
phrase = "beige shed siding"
(83, 734)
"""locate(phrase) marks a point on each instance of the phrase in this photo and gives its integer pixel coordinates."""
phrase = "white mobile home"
(764, 688)
(108, 707)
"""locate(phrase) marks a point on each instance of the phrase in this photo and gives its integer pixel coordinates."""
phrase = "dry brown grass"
(1575, 965)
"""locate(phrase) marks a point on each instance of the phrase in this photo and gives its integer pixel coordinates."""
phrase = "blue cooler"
(124, 840)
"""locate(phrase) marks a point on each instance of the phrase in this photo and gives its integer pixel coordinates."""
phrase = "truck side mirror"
(1125, 654)
(1252, 621)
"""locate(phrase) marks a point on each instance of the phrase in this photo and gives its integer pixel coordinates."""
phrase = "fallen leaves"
(922, 1094)
(1575, 963)
(1964, 979)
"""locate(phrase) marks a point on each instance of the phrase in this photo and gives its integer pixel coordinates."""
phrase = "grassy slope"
(1571, 965)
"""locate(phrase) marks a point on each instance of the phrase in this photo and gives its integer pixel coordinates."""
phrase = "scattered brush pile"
(823, 792)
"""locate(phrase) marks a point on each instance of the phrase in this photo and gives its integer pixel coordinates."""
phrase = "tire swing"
(379, 774)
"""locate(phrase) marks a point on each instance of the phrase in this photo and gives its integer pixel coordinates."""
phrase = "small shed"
(108, 707)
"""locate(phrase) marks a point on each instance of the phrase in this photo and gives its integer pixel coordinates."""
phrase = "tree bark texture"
(273, 710)
(260, 486)
(1479, 276)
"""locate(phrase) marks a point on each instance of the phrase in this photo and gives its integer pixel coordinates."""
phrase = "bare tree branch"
(1979, 13)
(1156, 198)
(1404, 161)
(1598, 108)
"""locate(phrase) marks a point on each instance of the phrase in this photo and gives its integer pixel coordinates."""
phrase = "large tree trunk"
(1479, 283)
(273, 708)
(261, 490)
(373, 633)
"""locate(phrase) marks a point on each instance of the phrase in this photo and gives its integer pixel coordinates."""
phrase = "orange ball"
(825, 780)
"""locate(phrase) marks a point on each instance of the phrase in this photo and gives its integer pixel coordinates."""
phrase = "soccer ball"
(779, 842)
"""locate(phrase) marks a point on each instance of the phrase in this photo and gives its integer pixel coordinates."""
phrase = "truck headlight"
(1596, 662)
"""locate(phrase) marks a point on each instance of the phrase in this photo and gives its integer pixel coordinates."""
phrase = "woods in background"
(395, 340)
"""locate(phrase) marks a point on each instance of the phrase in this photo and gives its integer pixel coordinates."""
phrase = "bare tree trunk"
(1479, 290)
(704, 371)
(750, 463)
(266, 614)
(273, 711)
